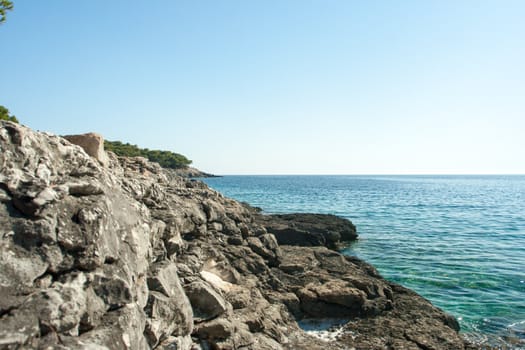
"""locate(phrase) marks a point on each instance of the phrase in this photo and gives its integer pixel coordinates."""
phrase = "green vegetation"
(5, 5)
(5, 115)
(166, 159)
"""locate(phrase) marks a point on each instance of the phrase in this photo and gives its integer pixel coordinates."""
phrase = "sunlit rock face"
(92, 144)
(122, 254)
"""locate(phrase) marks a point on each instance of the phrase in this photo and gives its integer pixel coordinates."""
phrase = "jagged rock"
(163, 278)
(191, 172)
(206, 302)
(167, 316)
(95, 310)
(92, 143)
(169, 311)
(131, 256)
(176, 343)
(112, 287)
(309, 229)
(119, 329)
(218, 328)
(18, 267)
(267, 247)
(332, 299)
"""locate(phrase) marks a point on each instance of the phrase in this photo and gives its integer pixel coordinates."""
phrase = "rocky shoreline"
(191, 172)
(126, 255)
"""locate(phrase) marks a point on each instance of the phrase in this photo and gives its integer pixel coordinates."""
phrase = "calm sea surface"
(457, 240)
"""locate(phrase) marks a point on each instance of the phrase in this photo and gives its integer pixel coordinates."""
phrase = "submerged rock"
(128, 255)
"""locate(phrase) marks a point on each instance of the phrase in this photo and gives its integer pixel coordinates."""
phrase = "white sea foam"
(326, 329)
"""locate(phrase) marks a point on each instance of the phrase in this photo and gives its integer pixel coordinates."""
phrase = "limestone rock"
(92, 143)
(132, 256)
(309, 229)
(218, 328)
(167, 316)
(206, 302)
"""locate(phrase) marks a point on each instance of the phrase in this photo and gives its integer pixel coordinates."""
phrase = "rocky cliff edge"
(122, 254)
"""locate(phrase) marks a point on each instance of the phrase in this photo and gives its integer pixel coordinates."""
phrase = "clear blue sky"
(279, 86)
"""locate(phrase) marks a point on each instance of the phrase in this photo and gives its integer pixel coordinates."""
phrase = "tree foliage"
(5, 115)
(5, 5)
(166, 159)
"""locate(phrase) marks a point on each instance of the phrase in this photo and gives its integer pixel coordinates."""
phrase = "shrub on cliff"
(166, 159)
(5, 115)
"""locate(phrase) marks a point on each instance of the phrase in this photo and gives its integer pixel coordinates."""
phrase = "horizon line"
(371, 174)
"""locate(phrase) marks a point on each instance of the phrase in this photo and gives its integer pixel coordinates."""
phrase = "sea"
(459, 241)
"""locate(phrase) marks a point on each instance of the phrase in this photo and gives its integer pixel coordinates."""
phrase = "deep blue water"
(457, 240)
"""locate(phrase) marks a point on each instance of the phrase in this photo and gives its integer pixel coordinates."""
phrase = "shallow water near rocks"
(327, 329)
(457, 240)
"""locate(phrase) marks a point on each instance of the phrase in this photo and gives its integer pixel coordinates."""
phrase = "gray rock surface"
(132, 256)
(191, 172)
(92, 144)
(307, 229)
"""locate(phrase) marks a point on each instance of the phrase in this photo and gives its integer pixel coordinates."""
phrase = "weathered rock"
(167, 316)
(267, 247)
(95, 310)
(217, 329)
(120, 329)
(112, 287)
(18, 267)
(176, 343)
(206, 302)
(192, 172)
(169, 311)
(309, 229)
(163, 278)
(92, 144)
(132, 256)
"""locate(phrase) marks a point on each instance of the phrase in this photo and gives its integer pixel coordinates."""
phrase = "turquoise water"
(457, 240)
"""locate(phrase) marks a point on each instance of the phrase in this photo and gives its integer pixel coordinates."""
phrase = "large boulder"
(92, 144)
(207, 303)
(309, 229)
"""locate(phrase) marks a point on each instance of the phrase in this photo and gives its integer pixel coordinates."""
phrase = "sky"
(279, 86)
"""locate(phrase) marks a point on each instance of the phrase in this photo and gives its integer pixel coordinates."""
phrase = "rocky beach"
(106, 252)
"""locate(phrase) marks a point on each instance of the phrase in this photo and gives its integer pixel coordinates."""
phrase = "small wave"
(506, 342)
(326, 329)
(511, 338)
(518, 329)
